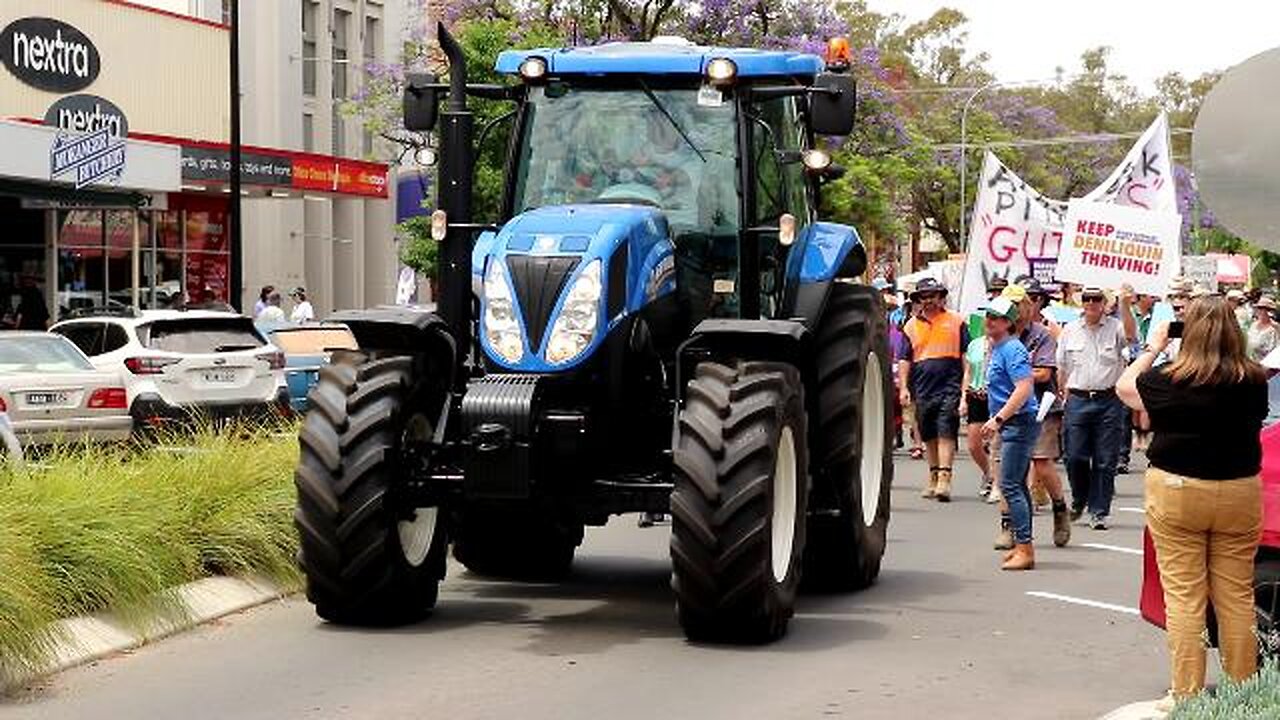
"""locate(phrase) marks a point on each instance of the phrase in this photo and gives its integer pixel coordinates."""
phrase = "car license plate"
(46, 398)
(220, 376)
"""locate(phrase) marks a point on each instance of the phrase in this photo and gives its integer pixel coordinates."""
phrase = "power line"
(1096, 138)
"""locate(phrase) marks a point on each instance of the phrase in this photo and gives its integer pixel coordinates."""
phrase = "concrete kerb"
(93, 637)
(1145, 710)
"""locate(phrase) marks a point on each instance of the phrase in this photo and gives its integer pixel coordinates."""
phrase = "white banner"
(1111, 245)
(1015, 231)
(1145, 176)
(1201, 270)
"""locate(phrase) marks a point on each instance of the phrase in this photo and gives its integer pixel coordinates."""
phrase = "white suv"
(178, 365)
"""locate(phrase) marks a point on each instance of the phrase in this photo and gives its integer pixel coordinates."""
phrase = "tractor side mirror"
(421, 102)
(833, 104)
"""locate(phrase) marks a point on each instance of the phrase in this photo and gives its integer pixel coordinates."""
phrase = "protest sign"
(1112, 245)
(1201, 270)
(1144, 179)
(1015, 231)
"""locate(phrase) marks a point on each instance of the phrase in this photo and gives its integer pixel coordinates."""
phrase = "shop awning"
(67, 195)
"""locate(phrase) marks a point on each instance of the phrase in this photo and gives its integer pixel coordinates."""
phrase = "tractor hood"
(539, 256)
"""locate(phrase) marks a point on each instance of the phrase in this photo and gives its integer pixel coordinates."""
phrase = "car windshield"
(29, 353)
(202, 335)
(672, 148)
(313, 340)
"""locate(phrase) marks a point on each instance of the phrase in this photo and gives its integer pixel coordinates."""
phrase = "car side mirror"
(833, 104)
(421, 102)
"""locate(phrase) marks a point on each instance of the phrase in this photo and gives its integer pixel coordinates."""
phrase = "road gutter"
(93, 637)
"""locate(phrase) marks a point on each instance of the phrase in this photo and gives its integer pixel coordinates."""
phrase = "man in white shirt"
(1091, 353)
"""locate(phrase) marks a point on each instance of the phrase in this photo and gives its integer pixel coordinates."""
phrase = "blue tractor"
(658, 323)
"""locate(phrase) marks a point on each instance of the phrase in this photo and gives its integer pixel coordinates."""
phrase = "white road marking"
(1112, 548)
(1140, 511)
(1083, 601)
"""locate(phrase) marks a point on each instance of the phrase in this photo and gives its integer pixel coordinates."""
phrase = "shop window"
(22, 259)
(82, 267)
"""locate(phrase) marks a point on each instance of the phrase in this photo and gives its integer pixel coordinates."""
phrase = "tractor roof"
(663, 56)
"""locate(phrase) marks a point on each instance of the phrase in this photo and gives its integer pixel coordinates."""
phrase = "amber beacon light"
(839, 55)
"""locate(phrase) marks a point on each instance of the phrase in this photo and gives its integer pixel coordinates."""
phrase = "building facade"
(114, 117)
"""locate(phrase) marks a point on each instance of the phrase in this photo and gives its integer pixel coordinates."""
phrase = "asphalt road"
(943, 634)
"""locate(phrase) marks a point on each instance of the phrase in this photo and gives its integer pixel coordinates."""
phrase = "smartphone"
(1175, 329)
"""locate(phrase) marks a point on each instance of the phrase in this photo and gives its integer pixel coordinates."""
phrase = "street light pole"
(235, 281)
(964, 164)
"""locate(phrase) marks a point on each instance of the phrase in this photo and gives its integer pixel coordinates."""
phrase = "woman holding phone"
(1203, 493)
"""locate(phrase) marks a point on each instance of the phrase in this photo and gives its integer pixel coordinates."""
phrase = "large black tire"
(357, 568)
(520, 545)
(852, 442)
(741, 428)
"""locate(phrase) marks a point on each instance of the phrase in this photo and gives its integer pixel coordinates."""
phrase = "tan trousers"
(1206, 535)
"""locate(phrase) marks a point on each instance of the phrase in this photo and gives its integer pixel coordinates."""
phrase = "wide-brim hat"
(1265, 303)
(928, 285)
(1033, 286)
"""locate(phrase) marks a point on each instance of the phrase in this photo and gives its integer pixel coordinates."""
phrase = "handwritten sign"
(1201, 270)
(1112, 245)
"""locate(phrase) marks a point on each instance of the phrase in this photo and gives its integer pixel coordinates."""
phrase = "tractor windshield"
(661, 147)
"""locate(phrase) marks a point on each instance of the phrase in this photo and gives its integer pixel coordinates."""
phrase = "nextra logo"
(49, 54)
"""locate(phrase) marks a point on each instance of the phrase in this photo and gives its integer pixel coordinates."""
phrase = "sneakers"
(986, 487)
(1077, 513)
(1122, 469)
(1098, 522)
(995, 495)
(1061, 527)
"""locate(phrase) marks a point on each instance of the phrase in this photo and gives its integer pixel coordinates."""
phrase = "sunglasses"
(1093, 298)
(1179, 308)
(929, 296)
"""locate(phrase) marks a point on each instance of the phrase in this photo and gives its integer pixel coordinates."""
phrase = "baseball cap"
(1015, 293)
(1235, 295)
(1003, 307)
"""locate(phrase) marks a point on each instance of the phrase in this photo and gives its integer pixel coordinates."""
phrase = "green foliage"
(1257, 697)
(92, 529)
(417, 249)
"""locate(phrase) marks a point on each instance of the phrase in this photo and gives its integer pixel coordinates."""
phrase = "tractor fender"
(822, 254)
(403, 330)
(725, 340)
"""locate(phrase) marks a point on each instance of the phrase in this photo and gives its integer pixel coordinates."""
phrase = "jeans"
(1205, 533)
(1126, 438)
(1017, 440)
(1093, 441)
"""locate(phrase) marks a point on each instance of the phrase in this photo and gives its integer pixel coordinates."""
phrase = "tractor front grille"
(538, 281)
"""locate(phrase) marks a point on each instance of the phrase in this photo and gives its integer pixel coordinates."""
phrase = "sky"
(1028, 39)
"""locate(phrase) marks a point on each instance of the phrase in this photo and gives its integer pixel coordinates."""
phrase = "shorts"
(979, 413)
(938, 416)
(1049, 444)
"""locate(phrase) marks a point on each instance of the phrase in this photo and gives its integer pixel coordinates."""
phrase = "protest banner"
(1233, 269)
(1112, 245)
(1201, 270)
(1144, 179)
(1015, 231)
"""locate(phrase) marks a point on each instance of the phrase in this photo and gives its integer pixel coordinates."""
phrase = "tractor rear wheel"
(853, 451)
(367, 559)
(738, 506)
(518, 545)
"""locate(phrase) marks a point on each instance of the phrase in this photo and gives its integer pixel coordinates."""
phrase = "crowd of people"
(1028, 391)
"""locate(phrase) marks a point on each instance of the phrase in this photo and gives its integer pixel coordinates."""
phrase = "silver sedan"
(52, 394)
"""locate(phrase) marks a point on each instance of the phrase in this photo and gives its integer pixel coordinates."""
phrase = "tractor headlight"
(501, 327)
(576, 327)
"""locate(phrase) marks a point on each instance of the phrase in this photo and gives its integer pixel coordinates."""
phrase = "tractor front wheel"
(738, 506)
(366, 558)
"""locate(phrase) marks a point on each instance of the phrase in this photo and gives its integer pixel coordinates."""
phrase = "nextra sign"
(49, 54)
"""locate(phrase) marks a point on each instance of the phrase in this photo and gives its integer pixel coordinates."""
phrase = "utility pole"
(236, 279)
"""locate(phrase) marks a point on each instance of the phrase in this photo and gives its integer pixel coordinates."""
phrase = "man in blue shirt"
(1013, 406)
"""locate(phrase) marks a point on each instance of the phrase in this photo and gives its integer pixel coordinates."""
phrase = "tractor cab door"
(779, 185)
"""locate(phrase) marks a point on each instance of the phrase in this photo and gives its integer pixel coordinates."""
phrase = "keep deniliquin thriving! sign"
(49, 54)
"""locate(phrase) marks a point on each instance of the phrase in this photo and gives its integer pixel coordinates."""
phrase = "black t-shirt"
(1209, 432)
